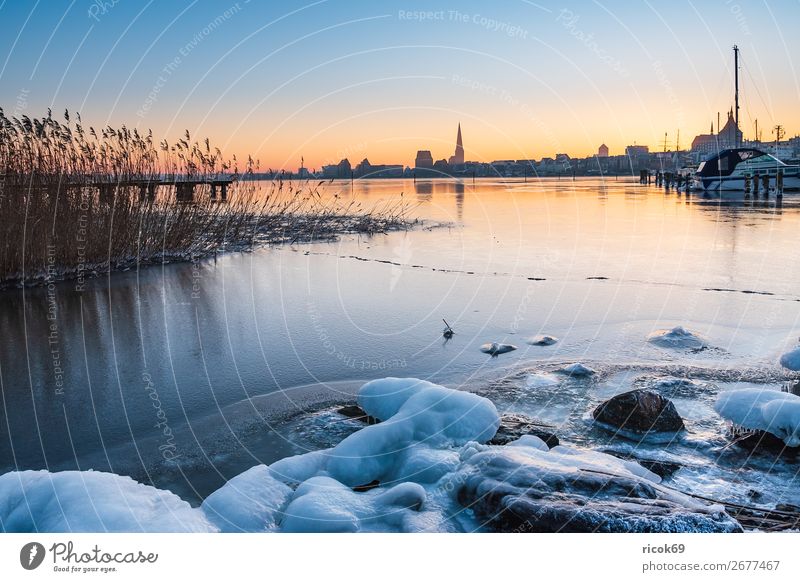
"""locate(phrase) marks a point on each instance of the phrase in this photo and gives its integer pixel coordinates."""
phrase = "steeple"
(457, 158)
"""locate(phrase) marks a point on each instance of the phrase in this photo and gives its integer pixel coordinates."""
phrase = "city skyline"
(397, 79)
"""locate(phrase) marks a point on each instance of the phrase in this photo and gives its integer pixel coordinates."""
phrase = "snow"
(529, 440)
(768, 410)
(322, 504)
(383, 398)
(542, 340)
(578, 369)
(250, 502)
(424, 463)
(791, 360)
(541, 380)
(296, 469)
(495, 348)
(677, 337)
(428, 414)
(91, 501)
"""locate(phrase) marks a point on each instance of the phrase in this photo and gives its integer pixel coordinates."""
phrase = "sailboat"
(731, 169)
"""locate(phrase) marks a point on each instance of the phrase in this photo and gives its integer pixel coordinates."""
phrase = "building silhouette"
(602, 151)
(457, 159)
(424, 160)
(730, 136)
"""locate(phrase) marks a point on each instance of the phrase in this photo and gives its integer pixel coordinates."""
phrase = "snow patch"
(542, 340)
(577, 369)
(775, 412)
(91, 501)
(791, 360)
(495, 348)
(677, 337)
(249, 502)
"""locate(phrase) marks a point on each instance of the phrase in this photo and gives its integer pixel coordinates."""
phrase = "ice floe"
(542, 340)
(577, 369)
(677, 337)
(495, 348)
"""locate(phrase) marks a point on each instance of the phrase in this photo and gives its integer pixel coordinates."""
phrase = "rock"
(663, 469)
(367, 486)
(542, 340)
(759, 441)
(640, 412)
(513, 426)
(357, 413)
(518, 489)
(495, 349)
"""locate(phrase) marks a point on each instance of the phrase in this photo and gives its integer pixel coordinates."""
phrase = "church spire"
(457, 158)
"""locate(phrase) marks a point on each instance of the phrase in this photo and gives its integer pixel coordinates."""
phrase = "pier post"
(766, 185)
(184, 191)
(213, 190)
(223, 192)
(779, 183)
(106, 193)
(756, 183)
(747, 183)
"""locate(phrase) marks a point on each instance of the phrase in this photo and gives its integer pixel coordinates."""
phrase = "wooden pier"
(184, 187)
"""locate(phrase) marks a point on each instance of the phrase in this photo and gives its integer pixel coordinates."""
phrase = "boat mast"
(736, 81)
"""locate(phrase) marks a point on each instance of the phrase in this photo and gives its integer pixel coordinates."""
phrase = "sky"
(327, 79)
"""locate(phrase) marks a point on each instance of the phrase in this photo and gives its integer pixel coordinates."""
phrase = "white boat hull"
(737, 183)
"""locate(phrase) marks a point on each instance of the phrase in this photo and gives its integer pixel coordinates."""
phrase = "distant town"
(632, 161)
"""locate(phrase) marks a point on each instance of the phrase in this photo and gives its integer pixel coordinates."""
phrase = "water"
(185, 375)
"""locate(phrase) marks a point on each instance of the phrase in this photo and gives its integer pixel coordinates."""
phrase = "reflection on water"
(140, 367)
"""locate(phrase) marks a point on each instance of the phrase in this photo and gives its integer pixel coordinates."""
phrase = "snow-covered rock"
(91, 501)
(413, 413)
(578, 370)
(677, 337)
(416, 470)
(495, 348)
(771, 411)
(526, 488)
(791, 360)
(542, 340)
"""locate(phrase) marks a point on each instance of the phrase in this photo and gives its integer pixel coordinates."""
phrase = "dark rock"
(640, 411)
(367, 486)
(357, 413)
(755, 495)
(663, 469)
(513, 426)
(531, 493)
(760, 441)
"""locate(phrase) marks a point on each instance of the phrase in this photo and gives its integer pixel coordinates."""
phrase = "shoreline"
(87, 272)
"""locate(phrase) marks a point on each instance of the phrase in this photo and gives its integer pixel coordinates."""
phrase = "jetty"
(185, 188)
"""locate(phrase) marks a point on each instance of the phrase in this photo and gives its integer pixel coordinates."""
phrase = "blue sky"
(329, 79)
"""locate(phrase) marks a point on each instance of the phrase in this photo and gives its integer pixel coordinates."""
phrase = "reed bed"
(72, 205)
